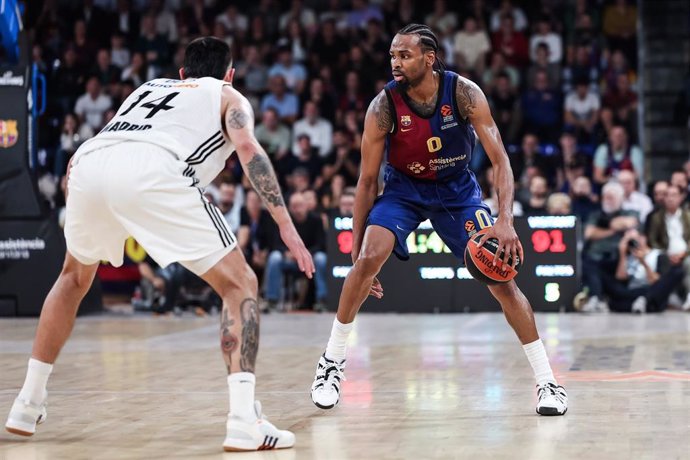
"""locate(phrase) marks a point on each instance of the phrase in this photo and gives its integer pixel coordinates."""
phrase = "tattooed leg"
(249, 312)
(236, 284)
(228, 338)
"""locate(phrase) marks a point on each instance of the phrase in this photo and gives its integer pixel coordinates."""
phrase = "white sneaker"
(593, 305)
(325, 391)
(553, 400)
(639, 305)
(674, 301)
(686, 304)
(24, 417)
(258, 434)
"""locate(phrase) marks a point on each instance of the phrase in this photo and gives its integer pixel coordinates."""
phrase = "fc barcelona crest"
(405, 120)
(8, 133)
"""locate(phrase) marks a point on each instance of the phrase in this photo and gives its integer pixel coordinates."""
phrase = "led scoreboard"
(435, 280)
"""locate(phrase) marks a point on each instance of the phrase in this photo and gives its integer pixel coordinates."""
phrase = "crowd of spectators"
(560, 77)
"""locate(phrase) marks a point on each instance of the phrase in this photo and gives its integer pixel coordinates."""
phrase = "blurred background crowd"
(560, 76)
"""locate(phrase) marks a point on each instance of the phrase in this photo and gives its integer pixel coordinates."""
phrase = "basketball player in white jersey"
(141, 176)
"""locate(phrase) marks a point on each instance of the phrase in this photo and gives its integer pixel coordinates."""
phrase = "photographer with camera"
(639, 286)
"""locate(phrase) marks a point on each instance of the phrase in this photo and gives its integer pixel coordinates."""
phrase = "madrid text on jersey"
(124, 126)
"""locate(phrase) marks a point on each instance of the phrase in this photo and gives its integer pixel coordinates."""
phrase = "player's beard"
(408, 83)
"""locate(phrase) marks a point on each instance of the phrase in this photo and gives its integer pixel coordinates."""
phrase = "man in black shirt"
(311, 230)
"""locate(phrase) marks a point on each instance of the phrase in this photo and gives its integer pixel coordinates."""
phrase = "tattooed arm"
(377, 123)
(473, 106)
(238, 121)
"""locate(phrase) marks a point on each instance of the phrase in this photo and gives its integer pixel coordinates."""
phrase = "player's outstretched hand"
(296, 247)
(508, 241)
(376, 289)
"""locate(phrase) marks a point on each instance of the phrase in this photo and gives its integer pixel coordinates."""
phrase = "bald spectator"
(634, 200)
(603, 234)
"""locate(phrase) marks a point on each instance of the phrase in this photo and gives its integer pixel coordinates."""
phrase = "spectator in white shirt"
(581, 111)
(546, 35)
(91, 106)
(471, 46)
(319, 130)
(634, 200)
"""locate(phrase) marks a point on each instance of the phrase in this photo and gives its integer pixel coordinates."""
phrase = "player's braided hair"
(427, 40)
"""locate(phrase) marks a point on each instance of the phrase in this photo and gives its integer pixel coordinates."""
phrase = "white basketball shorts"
(140, 190)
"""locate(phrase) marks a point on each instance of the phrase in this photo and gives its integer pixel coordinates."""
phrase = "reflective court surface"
(418, 387)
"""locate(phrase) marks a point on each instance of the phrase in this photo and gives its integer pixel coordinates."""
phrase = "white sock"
(536, 354)
(241, 385)
(335, 350)
(34, 389)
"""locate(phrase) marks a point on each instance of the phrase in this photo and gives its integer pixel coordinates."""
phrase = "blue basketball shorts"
(454, 208)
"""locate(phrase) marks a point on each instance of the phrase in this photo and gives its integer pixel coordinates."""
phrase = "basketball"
(479, 261)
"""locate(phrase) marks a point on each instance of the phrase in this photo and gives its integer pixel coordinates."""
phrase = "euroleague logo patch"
(470, 228)
(447, 114)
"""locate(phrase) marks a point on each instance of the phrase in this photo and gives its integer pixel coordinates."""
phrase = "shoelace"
(555, 391)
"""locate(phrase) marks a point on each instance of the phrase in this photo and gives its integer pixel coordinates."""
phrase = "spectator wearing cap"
(283, 101)
(616, 155)
(294, 74)
(581, 111)
(319, 130)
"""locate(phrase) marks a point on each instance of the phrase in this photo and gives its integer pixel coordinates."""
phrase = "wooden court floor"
(418, 387)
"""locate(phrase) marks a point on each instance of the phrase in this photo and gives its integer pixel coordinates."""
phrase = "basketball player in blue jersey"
(425, 120)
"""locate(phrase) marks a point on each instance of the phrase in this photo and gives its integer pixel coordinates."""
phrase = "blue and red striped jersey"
(438, 147)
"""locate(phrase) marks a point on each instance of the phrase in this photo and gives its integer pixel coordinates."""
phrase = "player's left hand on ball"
(296, 247)
(508, 242)
(376, 289)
